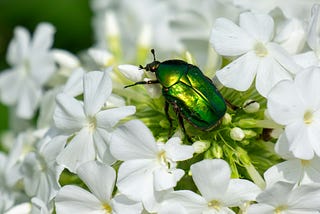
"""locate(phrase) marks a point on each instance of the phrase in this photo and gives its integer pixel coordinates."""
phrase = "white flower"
(295, 104)
(148, 166)
(100, 180)
(219, 192)
(90, 125)
(283, 198)
(293, 170)
(258, 55)
(131, 72)
(32, 65)
(40, 170)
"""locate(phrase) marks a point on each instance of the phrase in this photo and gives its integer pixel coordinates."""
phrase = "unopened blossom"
(87, 121)
(32, 64)
(285, 198)
(218, 190)
(258, 56)
(293, 104)
(100, 180)
(149, 167)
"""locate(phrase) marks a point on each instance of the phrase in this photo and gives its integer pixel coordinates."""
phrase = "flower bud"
(237, 134)
(249, 133)
(200, 146)
(251, 106)
(226, 119)
(216, 151)
(131, 72)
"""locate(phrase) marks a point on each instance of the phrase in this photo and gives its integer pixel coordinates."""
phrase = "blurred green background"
(72, 19)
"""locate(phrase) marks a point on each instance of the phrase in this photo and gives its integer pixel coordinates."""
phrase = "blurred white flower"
(293, 103)
(32, 65)
(100, 180)
(148, 166)
(258, 55)
(219, 192)
(283, 198)
(40, 170)
(87, 122)
(131, 72)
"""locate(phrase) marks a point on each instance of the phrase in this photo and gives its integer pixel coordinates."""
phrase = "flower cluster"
(87, 137)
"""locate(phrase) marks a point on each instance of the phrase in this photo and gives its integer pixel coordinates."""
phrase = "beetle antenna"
(154, 55)
(141, 67)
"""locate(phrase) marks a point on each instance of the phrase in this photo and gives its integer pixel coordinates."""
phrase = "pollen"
(91, 123)
(162, 159)
(260, 49)
(107, 208)
(280, 208)
(308, 117)
(214, 204)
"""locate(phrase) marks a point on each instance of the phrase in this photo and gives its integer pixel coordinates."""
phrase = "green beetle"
(192, 95)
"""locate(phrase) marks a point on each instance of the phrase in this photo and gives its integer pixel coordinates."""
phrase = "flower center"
(280, 208)
(260, 49)
(308, 117)
(107, 208)
(162, 159)
(92, 123)
(305, 162)
(214, 204)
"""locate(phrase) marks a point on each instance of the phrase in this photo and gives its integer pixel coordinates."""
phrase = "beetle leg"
(166, 110)
(180, 120)
(233, 107)
(143, 83)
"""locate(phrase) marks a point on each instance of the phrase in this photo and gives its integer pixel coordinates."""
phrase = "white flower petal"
(10, 86)
(171, 208)
(131, 72)
(135, 179)
(41, 67)
(292, 36)
(73, 199)
(24, 208)
(121, 204)
(192, 202)
(101, 56)
(276, 194)
(19, 46)
(282, 103)
(65, 59)
(43, 37)
(107, 119)
(240, 73)
(299, 140)
(79, 150)
(306, 59)
(68, 115)
(282, 147)
(314, 136)
(259, 26)
(97, 88)
(308, 85)
(133, 140)
(74, 85)
(28, 100)
(240, 191)
(260, 208)
(163, 179)
(100, 179)
(212, 178)
(289, 171)
(269, 73)
(176, 151)
(313, 29)
(306, 197)
(283, 58)
(228, 39)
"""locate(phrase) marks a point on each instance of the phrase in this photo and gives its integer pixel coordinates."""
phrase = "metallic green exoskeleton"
(191, 94)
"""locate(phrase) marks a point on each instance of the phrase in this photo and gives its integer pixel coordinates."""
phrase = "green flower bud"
(200, 146)
(249, 133)
(251, 106)
(216, 151)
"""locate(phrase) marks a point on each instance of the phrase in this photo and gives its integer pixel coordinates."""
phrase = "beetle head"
(153, 66)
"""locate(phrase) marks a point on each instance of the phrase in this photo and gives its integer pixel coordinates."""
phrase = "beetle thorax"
(153, 66)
